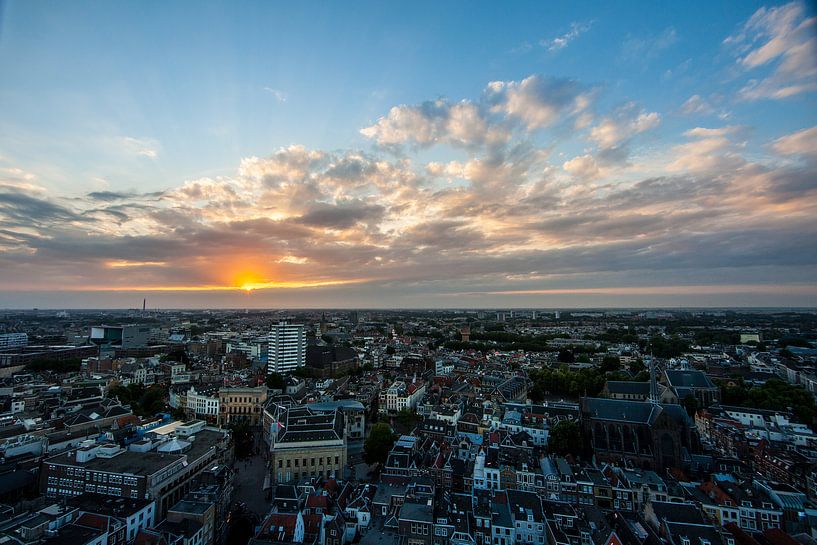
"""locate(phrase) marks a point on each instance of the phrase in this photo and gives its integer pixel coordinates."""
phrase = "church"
(643, 434)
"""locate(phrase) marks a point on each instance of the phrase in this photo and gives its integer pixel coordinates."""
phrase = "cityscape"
(410, 273)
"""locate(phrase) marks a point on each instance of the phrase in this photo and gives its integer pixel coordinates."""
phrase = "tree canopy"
(378, 444)
(143, 401)
(275, 381)
(566, 438)
(775, 394)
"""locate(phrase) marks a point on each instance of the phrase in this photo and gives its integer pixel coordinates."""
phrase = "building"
(13, 340)
(201, 512)
(401, 395)
(203, 403)
(416, 523)
(528, 517)
(287, 347)
(122, 336)
(330, 360)
(158, 469)
(303, 443)
(23, 355)
(135, 514)
(242, 405)
(648, 435)
(691, 382)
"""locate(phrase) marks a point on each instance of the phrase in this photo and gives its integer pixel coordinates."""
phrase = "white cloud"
(537, 101)
(703, 132)
(803, 142)
(623, 125)
(696, 105)
(144, 147)
(582, 166)
(462, 124)
(560, 42)
(279, 95)
(784, 38)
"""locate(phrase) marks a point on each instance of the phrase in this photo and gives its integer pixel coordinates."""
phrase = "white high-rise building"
(287, 347)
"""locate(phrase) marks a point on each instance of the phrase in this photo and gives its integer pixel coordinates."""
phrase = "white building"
(13, 340)
(204, 404)
(400, 396)
(287, 347)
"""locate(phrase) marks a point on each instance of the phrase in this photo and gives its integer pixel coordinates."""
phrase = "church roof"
(639, 412)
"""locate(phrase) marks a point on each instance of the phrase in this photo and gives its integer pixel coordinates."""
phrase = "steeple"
(653, 382)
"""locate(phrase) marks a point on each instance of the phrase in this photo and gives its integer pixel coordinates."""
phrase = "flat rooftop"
(142, 463)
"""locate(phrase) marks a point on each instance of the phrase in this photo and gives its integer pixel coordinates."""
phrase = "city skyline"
(414, 155)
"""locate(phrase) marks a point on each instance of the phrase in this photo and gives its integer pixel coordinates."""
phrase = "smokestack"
(144, 302)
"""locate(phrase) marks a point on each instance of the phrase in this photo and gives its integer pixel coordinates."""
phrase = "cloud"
(627, 122)
(803, 142)
(582, 166)
(538, 101)
(709, 150)
(644, 48)
(782, 40)
(440, 121)
(535, 102)
(514, 211)
(341, 215)
(144, 147)
(279, 95)
(560, 42)
(703, 132)
(696, 105)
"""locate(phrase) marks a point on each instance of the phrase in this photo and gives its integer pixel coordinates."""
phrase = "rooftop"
(142, 463)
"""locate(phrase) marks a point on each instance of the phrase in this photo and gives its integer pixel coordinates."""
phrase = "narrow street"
(249, 481)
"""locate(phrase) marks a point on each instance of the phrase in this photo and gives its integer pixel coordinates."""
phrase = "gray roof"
(418, 512)
(628, 387)
(624, 410)
(689, 378)
(142, 463)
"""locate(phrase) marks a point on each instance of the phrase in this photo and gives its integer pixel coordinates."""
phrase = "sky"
(412, 154)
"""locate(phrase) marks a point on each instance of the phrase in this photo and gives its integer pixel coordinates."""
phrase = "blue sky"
(144, 99)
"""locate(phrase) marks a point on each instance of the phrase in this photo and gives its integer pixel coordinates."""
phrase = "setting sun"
(248, 280)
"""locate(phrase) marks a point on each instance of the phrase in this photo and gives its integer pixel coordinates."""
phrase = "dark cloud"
(18, 208)
(341, 216)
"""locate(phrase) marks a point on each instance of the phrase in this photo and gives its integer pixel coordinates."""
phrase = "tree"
(275, 381)
(242, 438)
(378, 444)
(178, 414)
(786, 353)
(690, 403)
(566, 356)
(177, 354)
(637, 366)
(565, 438)
(667, 347)
(610, 363)
(406, 420)
(775, 395)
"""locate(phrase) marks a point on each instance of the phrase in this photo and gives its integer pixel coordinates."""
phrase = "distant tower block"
(465, 331)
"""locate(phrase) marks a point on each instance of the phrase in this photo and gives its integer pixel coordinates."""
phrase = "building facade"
(242, 405)
(304, 444)
(287, 348)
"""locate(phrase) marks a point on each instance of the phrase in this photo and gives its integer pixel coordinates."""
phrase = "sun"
(247, 281)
